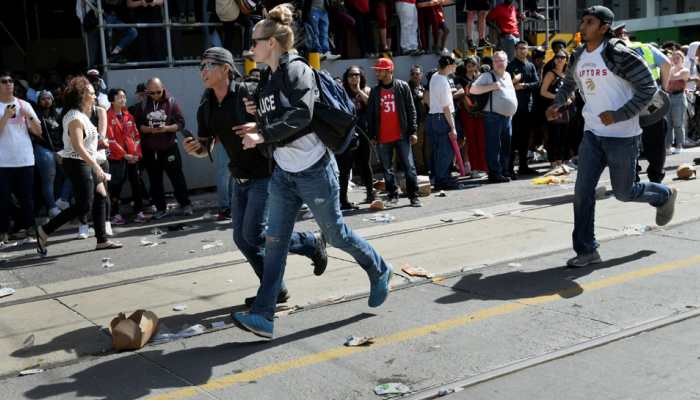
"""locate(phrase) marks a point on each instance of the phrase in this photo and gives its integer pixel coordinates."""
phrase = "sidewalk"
(39, 332)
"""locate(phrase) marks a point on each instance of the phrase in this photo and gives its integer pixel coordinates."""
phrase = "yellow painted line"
(403, 336)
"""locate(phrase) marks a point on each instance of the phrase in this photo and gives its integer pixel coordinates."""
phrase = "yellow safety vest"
(648, 57)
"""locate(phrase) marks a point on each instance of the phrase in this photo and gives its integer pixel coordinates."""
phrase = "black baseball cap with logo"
(604, 14)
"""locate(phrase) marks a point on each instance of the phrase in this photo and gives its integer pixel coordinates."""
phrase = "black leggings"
(86, 199)
(121, 171)
(557, 144)
(361, 158)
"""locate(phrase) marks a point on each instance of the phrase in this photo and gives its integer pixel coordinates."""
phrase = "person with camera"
(306, 172)
(221, 109)
(159, 120)
(18, 121)
(80, 140)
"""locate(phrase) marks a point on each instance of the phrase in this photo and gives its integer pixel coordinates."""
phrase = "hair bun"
(281, 14)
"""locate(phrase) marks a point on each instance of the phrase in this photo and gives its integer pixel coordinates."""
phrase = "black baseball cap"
(604, 14)
(444, 61)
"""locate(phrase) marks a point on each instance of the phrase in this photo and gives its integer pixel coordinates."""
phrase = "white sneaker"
(108, 229)
(62, 204)
(330, 56)
(83, 231)
(54, 212)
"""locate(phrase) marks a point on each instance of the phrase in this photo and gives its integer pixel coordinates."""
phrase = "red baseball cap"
(384, 64)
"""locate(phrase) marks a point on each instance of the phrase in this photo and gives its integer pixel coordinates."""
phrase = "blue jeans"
(498, 131)
(223, 176)
(318, 187)
(679, 106)
(129, 36)
(620, 155)
(249, 218)
(386, 156)
(441, 153)
(317, 26)
(45, 162)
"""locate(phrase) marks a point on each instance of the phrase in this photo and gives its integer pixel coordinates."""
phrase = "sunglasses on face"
(208, 66)
(256, 41)
(7, 81)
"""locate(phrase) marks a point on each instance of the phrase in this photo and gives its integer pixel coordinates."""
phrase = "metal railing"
(167, 24)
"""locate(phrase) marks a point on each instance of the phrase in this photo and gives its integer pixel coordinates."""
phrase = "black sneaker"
(283, 297)
(498, 179)
(320, 257)
(415, 202)
(484, 43)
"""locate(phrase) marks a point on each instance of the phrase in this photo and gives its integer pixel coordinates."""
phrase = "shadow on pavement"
(126, 377)
(523, 285)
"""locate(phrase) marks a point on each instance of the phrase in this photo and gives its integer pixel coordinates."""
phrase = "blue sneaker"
(254, 323)
(379, 289)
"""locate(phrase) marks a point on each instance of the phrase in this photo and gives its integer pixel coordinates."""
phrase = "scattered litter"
(283, 310)
(416, 271)
(193, 330)
(435, 347)
(515, 265)
(229, 281)
(148, 243)
(391, 388)
(355, 341)
(635, 230)
(208, 216)
(441, 194)
(134, 332)
(550, 180)
(447, 220)
(192, 251)
(32, 371)
(218, 324)
(179, 307)
(336, 299)
(217, 243)
(107, 262)
(445, 392)
(381, 218)
(156, 232)
(28, 342)
(482, 213)
(559, 171)
(685, 172)
(6, 291)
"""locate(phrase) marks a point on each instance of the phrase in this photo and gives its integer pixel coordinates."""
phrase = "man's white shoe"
(330, 56)
(83, 231)
(108, 229)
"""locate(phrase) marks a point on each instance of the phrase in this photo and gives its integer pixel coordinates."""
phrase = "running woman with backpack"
(306, 172)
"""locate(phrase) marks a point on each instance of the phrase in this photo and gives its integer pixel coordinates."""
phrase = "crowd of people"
(335, 29)
(67, 153)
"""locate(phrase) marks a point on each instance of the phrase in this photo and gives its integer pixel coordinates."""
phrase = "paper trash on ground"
(107, 262)
(355, 341)
(179, 307)
(482, 213)
(217, 243)
(381, 218)
(6, 291)
(416, 271)
(391, 388)
(635, 230)
(31, 371)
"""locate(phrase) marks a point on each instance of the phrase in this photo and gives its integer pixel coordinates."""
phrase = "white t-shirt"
(440, 94)
(604, 91)
(90, 135)
(300, 154)
(15, 144)
(503, 101)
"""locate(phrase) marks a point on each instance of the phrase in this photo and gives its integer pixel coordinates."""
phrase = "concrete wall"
(185, 85)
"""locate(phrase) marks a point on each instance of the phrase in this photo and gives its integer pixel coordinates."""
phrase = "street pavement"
(500, 295)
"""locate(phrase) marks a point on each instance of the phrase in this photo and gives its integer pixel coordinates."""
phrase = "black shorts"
(477, 5)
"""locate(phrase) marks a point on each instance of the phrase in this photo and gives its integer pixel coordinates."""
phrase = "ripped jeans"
(318, 187)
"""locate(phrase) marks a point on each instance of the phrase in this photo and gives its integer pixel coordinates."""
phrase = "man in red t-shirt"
(506, 17)
(391, 117)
